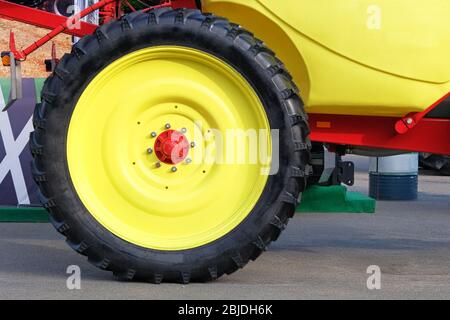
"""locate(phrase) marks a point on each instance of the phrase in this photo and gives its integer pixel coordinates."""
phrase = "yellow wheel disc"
(117, 173)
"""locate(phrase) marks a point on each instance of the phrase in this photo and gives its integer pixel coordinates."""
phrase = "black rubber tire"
(317, 163)
(29, 3)
(60, 7)
(439, 163)
(226, 41)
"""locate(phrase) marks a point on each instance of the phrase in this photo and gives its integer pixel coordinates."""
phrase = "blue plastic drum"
(394, 178)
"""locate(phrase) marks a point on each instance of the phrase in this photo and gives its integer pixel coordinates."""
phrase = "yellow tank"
(355, 57)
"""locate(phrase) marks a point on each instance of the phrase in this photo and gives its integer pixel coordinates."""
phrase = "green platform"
(23, 214)
(335, 199)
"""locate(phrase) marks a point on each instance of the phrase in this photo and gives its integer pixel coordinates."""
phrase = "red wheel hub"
(171, 147)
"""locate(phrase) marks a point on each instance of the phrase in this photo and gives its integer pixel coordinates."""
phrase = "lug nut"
(192, 144)
(174, 169)
(153, 134)
(183, 130)
(150, 150)
(158, 165)
(409, 121)
(188, 160)
(167, 125)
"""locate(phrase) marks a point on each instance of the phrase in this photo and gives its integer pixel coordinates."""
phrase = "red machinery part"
(422, 135)
(72, 25)
(41, 18)
(411, 120)
(429, 135)
(171, 147)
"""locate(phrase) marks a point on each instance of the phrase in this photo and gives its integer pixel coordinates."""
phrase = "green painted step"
(335, 199)
(23, 214)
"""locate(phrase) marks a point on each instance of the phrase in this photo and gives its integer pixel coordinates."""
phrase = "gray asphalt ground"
(320, 256)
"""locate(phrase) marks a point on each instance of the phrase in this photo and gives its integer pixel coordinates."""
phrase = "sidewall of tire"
(84, 233)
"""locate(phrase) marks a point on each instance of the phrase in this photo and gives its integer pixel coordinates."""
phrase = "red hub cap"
(171, 147)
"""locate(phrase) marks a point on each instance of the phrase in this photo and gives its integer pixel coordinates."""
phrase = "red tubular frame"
(414, 132)
(42, 19)
(74, 20)
(59, 24)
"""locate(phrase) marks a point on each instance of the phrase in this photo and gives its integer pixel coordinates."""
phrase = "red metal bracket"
(412, 119)
(12, 46)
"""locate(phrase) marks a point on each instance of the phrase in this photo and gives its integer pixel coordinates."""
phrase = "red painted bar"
(41, 18)
(429, 135)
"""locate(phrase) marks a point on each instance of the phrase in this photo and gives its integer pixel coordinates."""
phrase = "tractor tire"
(29, 3)
(60, 7)
(63, 161)
(438, 163)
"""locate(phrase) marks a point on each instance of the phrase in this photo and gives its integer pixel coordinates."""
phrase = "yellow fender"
(354, 57)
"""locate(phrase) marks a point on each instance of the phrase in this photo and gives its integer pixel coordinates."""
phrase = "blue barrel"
(394, 178)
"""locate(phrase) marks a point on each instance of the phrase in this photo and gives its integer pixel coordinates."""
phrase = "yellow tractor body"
(354, 57)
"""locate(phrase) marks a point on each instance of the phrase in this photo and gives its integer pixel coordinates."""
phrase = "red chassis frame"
(414, 132)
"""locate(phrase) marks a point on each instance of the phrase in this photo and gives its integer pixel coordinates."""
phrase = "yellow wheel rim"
(126, 188)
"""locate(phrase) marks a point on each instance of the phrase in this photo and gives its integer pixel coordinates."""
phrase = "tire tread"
(286, 90)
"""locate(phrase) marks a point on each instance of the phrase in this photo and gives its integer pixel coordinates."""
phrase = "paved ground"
(319, 256)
